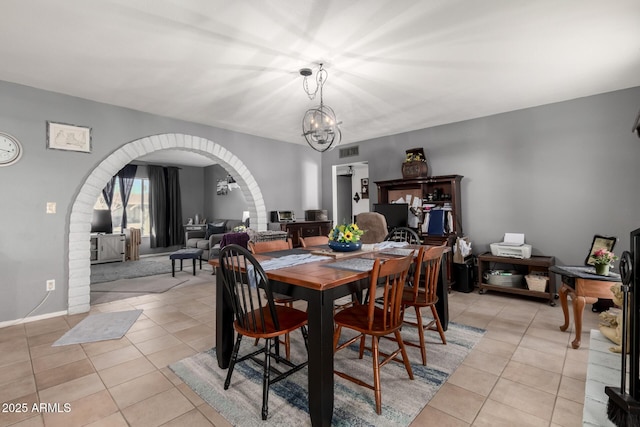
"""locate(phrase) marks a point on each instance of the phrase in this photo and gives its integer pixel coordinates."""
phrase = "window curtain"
(174, 208)
(126, 177)
(165, 207)
(107, 191)
(107, 194)
(158, 218)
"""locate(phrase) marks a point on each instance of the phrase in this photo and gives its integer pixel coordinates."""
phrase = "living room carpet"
(402, 399)
(100, 327)
(146, 266)
(147, 285)
(139, 286)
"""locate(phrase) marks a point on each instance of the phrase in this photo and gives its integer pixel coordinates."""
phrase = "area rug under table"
(100, 327)
(402, 399)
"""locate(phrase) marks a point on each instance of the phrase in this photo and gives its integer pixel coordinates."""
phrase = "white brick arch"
(82, 208)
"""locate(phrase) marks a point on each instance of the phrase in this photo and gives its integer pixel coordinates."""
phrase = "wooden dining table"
(319, 285)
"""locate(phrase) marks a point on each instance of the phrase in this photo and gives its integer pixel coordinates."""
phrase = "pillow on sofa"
(215, 228)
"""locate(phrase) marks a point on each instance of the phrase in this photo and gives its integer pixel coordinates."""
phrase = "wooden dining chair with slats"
(258, 316)
(420, 292)
(311, 241)
(377, 321)
(272, 246)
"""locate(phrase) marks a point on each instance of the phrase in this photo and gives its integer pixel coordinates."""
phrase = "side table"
(583, 286)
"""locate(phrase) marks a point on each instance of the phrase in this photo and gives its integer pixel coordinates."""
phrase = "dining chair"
(271, 246)
(310, 241)
(257, 316)
(374, 225)
(420, 291)
(403, 234)
(370, 319)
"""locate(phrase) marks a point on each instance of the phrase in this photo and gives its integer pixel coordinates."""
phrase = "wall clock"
(10, 149)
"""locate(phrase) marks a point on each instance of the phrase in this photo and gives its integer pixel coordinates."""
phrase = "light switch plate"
(51, 207)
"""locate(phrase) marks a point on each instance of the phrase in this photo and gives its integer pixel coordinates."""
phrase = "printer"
(512, 246)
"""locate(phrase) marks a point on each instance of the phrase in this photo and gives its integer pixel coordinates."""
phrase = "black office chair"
(258, 316)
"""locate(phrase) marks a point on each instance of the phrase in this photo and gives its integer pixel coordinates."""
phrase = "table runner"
(389, 245)
(398, 251)
(285, 252)
(290, 261)
(354, 264)
(283, 262)
(583, 272)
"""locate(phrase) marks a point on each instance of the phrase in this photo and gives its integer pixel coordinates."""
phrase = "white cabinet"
(107, 248)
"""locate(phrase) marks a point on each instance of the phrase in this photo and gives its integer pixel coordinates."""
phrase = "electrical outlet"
(51, 285)
(51, 207)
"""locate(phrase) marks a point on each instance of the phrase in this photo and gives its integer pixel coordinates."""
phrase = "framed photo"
(600, 242)
(62, 136)
(222, 187)
(364, 188)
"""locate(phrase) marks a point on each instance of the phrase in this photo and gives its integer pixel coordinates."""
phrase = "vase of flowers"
(603, 260)
(345, 238)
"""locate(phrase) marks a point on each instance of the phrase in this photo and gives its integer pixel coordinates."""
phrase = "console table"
(303, 229)
(195, 227)
(535, 263)
(107, 248)
(583, 286)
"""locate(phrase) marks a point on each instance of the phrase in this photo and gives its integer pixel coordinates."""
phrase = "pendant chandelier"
(319, 124)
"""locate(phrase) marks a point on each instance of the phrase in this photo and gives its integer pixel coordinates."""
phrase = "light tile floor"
(522, 373)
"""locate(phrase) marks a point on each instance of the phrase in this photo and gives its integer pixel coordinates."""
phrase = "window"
(137, 208)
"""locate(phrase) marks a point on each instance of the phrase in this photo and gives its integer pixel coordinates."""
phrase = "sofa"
(207, 240)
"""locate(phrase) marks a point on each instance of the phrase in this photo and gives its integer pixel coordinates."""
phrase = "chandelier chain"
(321, 78)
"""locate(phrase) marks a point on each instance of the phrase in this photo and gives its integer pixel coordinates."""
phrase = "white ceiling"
(393, 66)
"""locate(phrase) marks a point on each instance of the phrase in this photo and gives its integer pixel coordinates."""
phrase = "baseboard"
(32, 319)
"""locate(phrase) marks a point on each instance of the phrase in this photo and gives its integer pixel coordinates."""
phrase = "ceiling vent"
(349, 152)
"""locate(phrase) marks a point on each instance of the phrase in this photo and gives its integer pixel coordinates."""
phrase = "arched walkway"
(82, 209)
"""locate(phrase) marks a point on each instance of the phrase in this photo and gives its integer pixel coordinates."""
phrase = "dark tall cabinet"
(440, 191)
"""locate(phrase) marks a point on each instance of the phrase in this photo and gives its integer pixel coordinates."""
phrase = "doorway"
(349, 199)
(82, 208)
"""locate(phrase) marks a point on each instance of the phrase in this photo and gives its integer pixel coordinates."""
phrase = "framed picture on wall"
(222, 187)
(62, 136)
(364, 188)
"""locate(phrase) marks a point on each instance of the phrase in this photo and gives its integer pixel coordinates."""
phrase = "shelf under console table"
(536, 263)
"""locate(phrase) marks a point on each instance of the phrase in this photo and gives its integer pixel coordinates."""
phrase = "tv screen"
(396, 214)
(101, 221)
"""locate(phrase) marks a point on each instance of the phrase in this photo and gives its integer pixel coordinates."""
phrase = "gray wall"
(558, 173)
(34, 245)
(228, 206)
